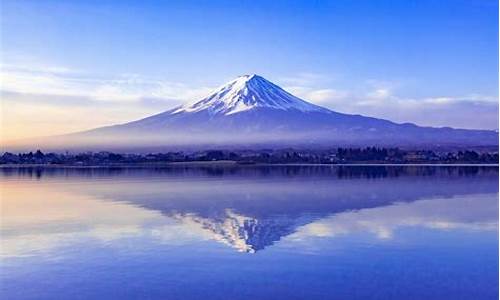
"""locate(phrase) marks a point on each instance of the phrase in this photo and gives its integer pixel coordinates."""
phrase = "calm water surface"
(250, 233)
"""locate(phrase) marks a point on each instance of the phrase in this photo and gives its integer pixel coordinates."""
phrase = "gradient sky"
(75, 65)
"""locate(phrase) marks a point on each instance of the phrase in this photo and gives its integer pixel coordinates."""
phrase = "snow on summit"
(245, 93)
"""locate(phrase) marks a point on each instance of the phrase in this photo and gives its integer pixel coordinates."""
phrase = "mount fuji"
(251, 110)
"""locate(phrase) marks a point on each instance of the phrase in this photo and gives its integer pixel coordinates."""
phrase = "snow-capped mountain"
(252, 110)
(245, 93)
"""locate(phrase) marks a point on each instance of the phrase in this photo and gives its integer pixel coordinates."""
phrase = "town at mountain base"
(369, 155)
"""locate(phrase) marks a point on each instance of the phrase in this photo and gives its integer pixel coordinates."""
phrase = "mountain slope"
(252, 110)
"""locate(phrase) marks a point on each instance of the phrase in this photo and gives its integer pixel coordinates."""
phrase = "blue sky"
(429, 62)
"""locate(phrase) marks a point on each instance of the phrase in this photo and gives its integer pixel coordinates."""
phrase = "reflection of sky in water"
(315, 232)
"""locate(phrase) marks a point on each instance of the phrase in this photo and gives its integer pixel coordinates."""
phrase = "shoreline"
(236, 164)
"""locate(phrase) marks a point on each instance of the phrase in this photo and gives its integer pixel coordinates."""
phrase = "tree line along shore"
(368, 155)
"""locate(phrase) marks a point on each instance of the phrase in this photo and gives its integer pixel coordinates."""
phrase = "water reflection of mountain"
(252, 207)
(244, 233)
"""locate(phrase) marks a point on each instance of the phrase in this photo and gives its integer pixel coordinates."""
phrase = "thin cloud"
(380, 99)
(318, 96)
(62, 81)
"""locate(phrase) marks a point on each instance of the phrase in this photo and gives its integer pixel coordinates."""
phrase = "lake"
(249, 232)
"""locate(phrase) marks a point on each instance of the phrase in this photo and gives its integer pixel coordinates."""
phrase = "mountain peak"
(247, 92)
(248, 77)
